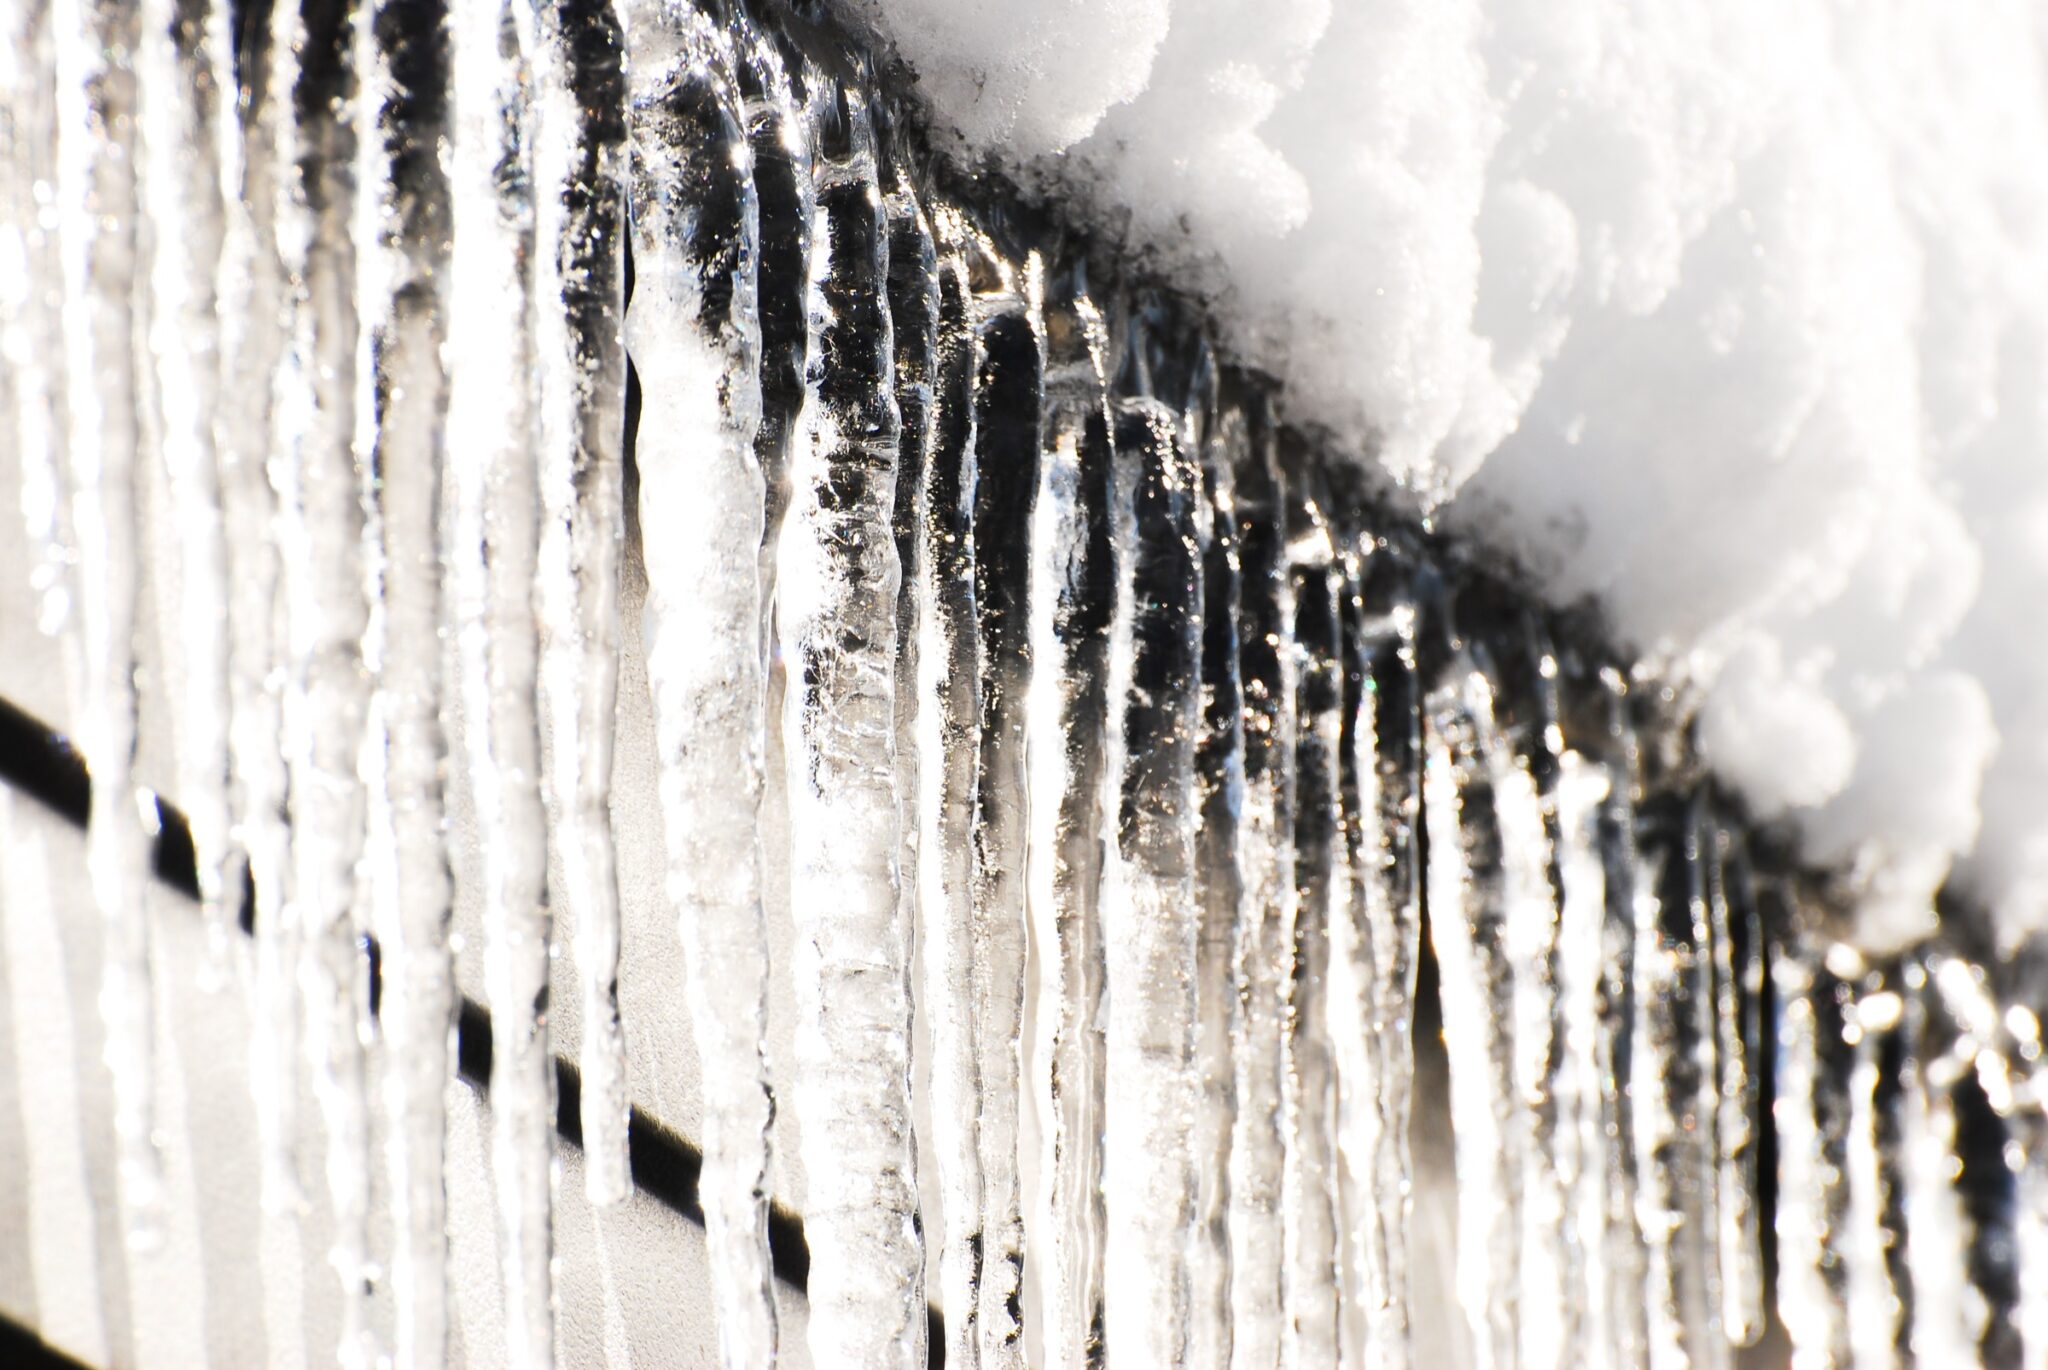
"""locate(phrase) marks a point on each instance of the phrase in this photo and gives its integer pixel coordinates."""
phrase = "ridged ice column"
(1264, 957)
(694, 336)
(180, 71)
(1008, 399)
(1073, 598)
(97, 211)
(836, 614)
(579, 233)
(320, 529)
(494, 532)
(404, 252)
(1149, 917)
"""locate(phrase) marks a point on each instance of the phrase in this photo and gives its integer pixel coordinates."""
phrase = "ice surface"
(99, 213)
(579, 233)
(1725, 315)
(1008, 401)
(948, 686)
(1095, 699)
(405, 415)
(693, 332)
(837, 579)
(493, 529)
(1073, 597)
(321, 518)
(181, 71)
(1149, 918)
(1262, 962)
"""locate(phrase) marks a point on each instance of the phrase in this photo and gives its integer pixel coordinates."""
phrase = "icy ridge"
(1727, 317)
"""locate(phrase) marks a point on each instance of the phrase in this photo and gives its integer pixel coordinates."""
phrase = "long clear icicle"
(31, 322)
(1947, 1317)
(1676, 1089)
(405, 258)
(1465, 915)
(95, 41)
(1219, 868)
(836, 612)
(1263, 959)
(1352, 976)
(1008, 403)
(1529, 916)
(1621, 868)
(1583, 786)
(182, 101)
(949, 745)
(1734, 926)
(97, 209)
(494, 529)
(1385, 752)
(693, 335)
(321, 517)
(1864, 1244)
(2031, 1223)
(252, 343)
(1073, 597)
(914, 322)
(579, 235)
(1323, 886)
(1807, 1117)
(1149, 918)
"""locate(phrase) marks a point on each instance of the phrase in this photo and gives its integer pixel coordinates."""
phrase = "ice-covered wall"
(1729, 314)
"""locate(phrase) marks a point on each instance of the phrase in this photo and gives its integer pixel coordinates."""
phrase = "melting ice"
(1139, 770)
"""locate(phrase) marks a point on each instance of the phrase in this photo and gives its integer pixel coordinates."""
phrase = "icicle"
(785, 188)
(1608, 729)
(1353, 977)
(1388, 756)
(1323, 892)
(1528, 741)
(1676, 1087)
(179, 72)
(251, 340)
(914, 323)
(1738, 985)
(949, 742)
(1864, 1243)
(1983, 1164)
(32, 342)
(1264, 957)
(1583, 786)
(694, 339)
(1219, 869)
(1807, 1119)
(321, 508)
(838, 576)
(1465, 904)
(2031, 1228)
(1009, 392)
(579, 228)
(97, 215)
(1073, 598)
(493, 540)
(1149, 918)
(404, 256)
(1947, 1314)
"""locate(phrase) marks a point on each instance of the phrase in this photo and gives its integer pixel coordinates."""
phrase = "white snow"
(1728, 313)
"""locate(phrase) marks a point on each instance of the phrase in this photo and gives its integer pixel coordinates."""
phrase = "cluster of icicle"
(1912, 1122)
(1110, 743)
